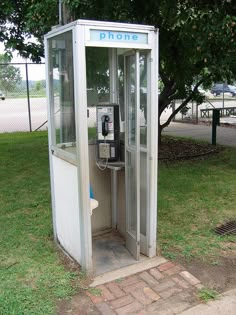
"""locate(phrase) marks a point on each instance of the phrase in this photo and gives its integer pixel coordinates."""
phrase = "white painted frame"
(153, 149)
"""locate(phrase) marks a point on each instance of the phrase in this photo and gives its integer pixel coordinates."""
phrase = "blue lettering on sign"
(118, 36)
(113, 36)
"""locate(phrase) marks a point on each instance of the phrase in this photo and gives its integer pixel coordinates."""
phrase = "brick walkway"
(165, 290)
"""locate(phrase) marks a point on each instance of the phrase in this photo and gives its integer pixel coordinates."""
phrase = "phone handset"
(105, 126)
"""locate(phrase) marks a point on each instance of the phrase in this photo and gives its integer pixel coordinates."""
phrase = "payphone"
(108, 132)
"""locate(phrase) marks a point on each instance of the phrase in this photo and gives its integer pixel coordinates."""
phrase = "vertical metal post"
(223, 101)
(28, 97)
(192, 110)
(215, 122)
(137, 139)
(113, 75)
(196, 113)
(114, 193)
(60, 12)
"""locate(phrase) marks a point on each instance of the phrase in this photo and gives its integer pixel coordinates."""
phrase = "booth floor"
(110, 253)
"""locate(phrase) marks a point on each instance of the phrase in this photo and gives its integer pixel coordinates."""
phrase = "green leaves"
(9, 75)
(20, 20)
(197, 38)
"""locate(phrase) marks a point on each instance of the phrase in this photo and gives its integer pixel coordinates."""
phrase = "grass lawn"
(194, 196)
(31, 275)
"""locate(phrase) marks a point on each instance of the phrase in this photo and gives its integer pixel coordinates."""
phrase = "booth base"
(127, 271)
(110, 253)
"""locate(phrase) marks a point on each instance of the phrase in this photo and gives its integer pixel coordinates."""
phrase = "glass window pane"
(98, 84)
(131, 87)
(121, 94)
(62, 89)
(97, 69)
(143, 99)
(132, 198)
(143, 192)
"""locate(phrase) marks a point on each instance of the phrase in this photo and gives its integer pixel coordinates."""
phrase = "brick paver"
(150, 280)
(122, 301)
(190, 278)
(115, 290)
(165, 290)
(130, 308)
(166, 266)
(156, 273)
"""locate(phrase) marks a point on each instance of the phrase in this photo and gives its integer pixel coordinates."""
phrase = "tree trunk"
(66, 14)
(164, 102)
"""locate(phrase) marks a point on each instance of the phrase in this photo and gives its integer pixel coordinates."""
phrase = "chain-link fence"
(202, 113)
(23, 104)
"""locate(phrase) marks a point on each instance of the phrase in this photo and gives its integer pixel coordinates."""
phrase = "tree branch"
(185, 102)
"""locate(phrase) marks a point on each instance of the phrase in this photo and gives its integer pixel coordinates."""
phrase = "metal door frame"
(133, 241)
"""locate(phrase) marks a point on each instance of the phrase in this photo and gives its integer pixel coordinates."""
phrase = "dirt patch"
(80, 304)
(178, 149)
(220, 276)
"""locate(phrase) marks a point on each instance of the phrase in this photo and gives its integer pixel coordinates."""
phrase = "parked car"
(2, 95)
(232, 88)
(220, 88)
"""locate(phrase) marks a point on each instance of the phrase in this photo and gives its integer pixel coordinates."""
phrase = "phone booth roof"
(110, 34)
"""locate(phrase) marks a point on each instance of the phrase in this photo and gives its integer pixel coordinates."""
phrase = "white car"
(2, 95)
(232, 88)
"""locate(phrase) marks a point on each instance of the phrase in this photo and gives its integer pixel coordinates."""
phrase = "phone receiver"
(105, 127)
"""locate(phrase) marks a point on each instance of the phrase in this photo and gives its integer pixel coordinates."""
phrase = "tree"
(9, 75)
(38, 86)
(21, 20)
(197, 41)
(197, 38)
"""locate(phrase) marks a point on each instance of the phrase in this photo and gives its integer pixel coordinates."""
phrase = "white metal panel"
(137, 136)
(67, 207)
(82, 155)
(113, 76)
(50, 137)
(60, 29)
(153, 151)
(117, 45)
(115, 25)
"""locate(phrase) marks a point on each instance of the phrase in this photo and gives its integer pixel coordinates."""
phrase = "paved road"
(14, 117)
(224, 305)
(14, 114)
(224, 136)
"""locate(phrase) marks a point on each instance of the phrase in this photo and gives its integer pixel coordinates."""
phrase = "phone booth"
(102, 87)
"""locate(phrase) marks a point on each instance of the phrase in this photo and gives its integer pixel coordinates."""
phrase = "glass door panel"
(137, 97)
(131, 89)
(131, 188)
(132, 92)
(143, 110)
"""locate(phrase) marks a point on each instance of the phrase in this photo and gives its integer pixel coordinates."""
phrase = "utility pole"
(65, 14)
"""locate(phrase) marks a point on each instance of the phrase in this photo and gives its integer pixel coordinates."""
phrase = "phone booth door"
(132, 152)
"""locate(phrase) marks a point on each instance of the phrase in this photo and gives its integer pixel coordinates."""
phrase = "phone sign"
(118, 37)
